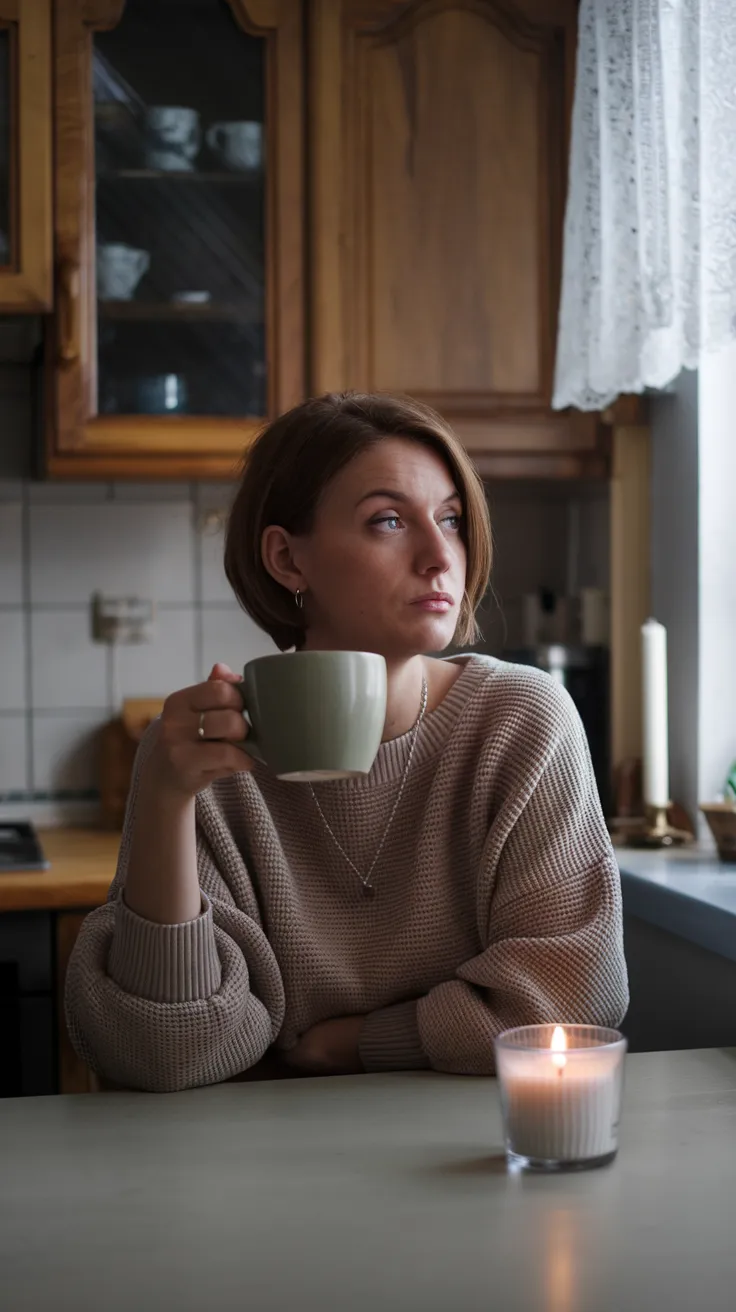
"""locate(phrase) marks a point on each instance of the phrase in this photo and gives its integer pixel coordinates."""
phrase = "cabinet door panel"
(26, 205)
(438, 148)
(453, 197)
(180, 326)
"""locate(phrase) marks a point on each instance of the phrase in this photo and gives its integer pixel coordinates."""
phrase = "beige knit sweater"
(497, 903)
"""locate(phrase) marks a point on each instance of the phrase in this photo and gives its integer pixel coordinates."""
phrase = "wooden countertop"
(81, 871)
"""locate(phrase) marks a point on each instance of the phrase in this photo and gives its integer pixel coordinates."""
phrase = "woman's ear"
(277, 554)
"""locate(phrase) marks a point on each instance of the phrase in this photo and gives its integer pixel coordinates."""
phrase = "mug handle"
(212, 136)
(250, 745)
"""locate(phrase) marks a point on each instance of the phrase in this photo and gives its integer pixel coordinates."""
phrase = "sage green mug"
(315, 714)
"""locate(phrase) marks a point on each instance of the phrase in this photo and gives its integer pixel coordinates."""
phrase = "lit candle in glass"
(560, 1090)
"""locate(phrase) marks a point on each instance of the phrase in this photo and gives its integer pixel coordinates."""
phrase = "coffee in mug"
(315, 715)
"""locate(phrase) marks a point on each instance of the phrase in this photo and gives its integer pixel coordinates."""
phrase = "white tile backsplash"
(131, 492)
(12, 660)
(66, 751)
(231, 636)
(117, 549)
(213, 501)
(158, 541)
(13, 754)
(214, 496)
(11, 553)
(68, 494)
(214, 584)
(67, 668)
(157, 668)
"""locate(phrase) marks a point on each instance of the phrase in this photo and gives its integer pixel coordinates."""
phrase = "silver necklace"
(365, 880)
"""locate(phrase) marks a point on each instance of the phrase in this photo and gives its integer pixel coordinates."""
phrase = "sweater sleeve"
(168, 1007)
(553, 948)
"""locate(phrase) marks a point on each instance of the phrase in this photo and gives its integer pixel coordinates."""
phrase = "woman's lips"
(440, 602)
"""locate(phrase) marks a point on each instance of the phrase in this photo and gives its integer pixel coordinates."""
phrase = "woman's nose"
(433, 554)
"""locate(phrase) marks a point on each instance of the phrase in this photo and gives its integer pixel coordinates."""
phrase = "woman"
(396, 921)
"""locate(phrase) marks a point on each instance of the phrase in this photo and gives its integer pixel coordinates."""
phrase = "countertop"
(82, 869)
(686, 891)
(364, 1192)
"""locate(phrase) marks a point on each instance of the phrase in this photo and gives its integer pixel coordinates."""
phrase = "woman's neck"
(404, 695)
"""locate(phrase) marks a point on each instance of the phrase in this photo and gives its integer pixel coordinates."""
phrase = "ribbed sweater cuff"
(389, 1040)
(164, 963)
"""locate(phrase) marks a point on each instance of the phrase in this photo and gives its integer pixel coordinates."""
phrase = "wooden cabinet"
(25, 156)
(438, 147)
(257, 200)
(179, 320)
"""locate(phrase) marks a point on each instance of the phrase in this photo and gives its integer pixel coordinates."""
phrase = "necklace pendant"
(369, 890)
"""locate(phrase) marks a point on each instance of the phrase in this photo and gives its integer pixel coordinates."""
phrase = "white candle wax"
(561, 1112)
(654, 713)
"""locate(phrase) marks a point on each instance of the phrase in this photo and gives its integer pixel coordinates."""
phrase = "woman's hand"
(329, 1048)
(182, 762)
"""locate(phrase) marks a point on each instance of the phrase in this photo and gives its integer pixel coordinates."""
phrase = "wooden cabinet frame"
(80, 443)
(28, 285)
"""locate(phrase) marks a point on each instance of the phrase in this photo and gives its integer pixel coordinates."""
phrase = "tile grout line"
(25, 533)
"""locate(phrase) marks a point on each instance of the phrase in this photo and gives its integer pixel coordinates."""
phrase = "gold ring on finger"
(200, 730)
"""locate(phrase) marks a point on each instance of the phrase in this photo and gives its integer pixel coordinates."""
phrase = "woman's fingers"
(221, 671)
(189, 761)
(229, 725)
(212, 695)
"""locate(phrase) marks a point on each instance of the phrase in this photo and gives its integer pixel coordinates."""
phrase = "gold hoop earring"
(299, 599)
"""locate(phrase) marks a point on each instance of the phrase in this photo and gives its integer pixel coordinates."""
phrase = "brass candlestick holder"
(657, 830)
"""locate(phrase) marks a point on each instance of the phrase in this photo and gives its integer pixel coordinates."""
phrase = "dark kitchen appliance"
(27, 1004)
(20, 848)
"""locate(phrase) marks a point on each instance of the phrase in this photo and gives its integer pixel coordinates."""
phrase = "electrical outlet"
(117, 620)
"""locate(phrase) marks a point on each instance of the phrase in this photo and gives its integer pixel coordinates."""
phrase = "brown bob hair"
(288, 467)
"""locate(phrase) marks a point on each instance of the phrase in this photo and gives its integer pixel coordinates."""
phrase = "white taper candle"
(654, 713)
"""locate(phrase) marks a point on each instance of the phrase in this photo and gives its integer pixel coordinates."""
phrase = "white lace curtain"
(649, 275)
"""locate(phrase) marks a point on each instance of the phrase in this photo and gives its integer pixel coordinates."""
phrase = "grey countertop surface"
(687, 891)
(366, 1192)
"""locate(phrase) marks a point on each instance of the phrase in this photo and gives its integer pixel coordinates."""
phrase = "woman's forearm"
(162, 882)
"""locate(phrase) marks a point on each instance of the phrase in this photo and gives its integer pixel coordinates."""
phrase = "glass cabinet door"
(181, 282)
(180, 270)
(25, 156)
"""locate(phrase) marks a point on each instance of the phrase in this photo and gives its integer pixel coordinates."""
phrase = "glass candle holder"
(560, 1088)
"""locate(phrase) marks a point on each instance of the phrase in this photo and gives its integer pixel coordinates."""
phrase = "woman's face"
(384, 565)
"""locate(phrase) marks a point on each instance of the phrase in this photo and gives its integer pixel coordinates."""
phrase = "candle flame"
(558, 1047)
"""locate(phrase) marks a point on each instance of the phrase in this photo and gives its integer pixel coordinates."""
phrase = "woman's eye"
(391, 520)
(452, 520)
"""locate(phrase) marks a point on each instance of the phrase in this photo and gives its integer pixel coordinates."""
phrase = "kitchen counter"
(685, 891)
(81, 871)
